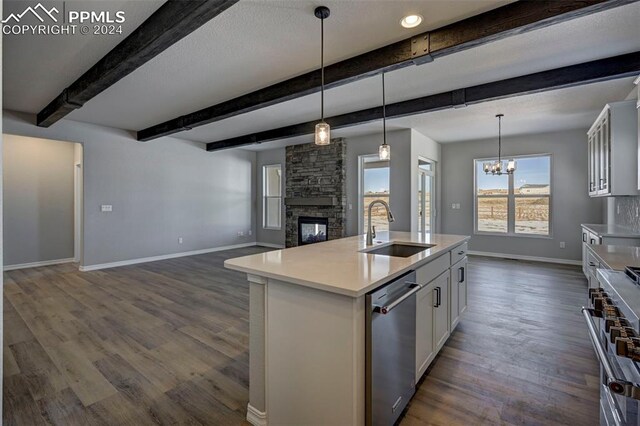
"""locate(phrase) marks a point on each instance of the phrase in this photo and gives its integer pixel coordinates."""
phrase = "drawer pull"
(460, 253)
(592, 264)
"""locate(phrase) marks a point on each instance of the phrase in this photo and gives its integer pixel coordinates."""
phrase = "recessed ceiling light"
(411, 21)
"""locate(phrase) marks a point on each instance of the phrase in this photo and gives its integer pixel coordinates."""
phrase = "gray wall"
(400, 142)
(406, 146)
(571, 205)
(263, 158)
(159, 190)
(38, 190)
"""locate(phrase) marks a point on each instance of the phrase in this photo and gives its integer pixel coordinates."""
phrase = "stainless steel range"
(613, 319)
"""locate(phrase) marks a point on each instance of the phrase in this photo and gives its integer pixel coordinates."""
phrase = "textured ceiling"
(564, 109)
(259, 42)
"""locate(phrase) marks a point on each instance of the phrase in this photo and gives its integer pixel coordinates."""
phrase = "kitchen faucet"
(371, 231)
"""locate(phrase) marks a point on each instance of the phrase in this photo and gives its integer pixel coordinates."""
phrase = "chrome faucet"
(371, 231)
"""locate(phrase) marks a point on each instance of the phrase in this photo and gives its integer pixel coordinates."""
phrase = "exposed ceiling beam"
(574, 75)
(514, 18)
(174, 20)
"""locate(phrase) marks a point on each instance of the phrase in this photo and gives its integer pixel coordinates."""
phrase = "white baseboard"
(271, 245)
(256, 417)
(162, 257)
(529, 258)
(37, 264)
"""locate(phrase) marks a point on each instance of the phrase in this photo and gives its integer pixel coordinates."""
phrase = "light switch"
(106, 208)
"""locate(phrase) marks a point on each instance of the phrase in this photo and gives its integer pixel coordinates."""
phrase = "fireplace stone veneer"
(315, 186)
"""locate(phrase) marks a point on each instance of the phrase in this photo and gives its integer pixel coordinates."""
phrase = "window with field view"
(518, 204)
(375, 186)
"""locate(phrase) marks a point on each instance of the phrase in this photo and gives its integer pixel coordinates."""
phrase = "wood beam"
(559, 78)
(174, 20)
(514, 18)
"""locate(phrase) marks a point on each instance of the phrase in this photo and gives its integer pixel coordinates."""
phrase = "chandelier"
(498, 167)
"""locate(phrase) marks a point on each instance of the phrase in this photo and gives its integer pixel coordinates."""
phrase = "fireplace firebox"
(312, 229)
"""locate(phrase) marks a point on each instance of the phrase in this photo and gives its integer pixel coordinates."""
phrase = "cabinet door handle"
(437, 289)
(584, 238)
(593, 241)
(592, 264)
(460, 274)
(460, 253)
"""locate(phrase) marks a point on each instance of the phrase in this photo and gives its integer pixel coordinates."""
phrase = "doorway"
(426, 195)
(78, 195)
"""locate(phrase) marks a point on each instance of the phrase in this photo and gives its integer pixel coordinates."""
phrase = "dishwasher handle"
(388, 308)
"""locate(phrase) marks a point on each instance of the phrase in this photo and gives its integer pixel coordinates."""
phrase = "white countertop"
(338, 266)
(617, 231)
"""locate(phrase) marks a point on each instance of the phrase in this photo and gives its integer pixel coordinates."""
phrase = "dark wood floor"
(167, 343)
(520, 356)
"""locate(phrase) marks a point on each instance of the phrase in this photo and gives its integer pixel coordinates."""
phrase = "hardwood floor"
(156, 343)
(520, 356)
(167, 343)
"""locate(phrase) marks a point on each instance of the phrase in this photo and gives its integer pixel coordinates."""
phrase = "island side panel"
(256, 411)
(315, 356)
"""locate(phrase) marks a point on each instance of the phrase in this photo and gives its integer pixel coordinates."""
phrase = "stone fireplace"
(315, 189)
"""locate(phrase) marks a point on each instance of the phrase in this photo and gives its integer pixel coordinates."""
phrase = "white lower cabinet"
(458, 299)
(439, 304)
(425, 346)
(441, 324)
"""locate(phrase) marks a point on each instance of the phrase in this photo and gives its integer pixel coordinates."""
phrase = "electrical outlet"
(562, 244)
(179, 240)
(106, 208)
(240, 234)
(250, 232)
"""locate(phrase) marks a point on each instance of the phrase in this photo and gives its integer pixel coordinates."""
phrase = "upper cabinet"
(613, 151)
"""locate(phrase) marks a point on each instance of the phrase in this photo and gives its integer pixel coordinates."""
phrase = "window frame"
(511, 199)
(265, 197)
(362, 160)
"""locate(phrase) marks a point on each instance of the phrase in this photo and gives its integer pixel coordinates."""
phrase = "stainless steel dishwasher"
(390, 349)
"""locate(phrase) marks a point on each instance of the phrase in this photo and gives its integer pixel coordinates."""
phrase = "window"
(426, 195)
(272, 196)
(374, 186)
(518, 204)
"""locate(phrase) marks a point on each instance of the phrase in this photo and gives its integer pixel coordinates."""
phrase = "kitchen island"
(307, 321)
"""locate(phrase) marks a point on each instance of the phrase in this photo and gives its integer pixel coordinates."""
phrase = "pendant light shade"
(384, 152)
(323, 134)
(323, 130)
(498, 167)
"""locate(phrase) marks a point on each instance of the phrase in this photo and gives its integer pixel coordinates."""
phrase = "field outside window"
(518, 204)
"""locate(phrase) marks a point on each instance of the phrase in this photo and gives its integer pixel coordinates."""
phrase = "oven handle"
(616, 385)
(388, 308)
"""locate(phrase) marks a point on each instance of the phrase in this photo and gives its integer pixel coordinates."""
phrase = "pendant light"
(323, 130)
(384, 152)
(497, 167)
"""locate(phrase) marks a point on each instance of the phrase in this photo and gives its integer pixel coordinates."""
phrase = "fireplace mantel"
(310, 201)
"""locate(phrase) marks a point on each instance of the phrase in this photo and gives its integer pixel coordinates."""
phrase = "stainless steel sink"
(399, 250)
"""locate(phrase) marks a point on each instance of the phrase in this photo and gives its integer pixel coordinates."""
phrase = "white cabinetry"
(439, 304)
(441, 324)
(612, 143)
(458, 297)
(425, 345)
